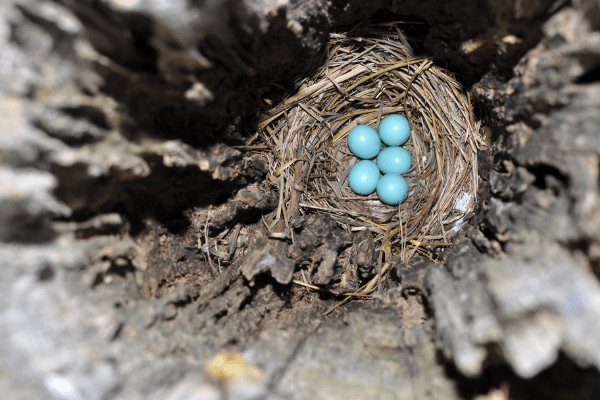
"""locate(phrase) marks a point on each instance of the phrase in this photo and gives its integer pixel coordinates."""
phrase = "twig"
(207, 243)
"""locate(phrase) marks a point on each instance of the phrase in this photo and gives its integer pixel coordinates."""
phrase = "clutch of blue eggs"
(365, 176)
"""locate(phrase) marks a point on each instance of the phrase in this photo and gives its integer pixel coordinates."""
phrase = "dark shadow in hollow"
(591, 76)
(564, 380)
(164, 195)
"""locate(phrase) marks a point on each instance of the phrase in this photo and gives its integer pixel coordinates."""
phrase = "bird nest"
(365, 75)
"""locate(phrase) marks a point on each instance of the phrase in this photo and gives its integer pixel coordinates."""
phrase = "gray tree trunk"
(120, 130)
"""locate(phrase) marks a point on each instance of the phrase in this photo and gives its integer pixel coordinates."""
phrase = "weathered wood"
(130, 215)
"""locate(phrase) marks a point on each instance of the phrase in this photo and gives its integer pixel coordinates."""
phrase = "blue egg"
(364, 176)
(394, 130)
(392, 189)
(364, 142)
(394, 160)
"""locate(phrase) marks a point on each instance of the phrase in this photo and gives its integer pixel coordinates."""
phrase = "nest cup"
(366, 75)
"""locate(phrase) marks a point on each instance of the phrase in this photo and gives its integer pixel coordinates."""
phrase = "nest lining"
(366, 75)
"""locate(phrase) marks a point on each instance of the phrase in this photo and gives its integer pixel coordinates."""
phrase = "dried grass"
(368, 74)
